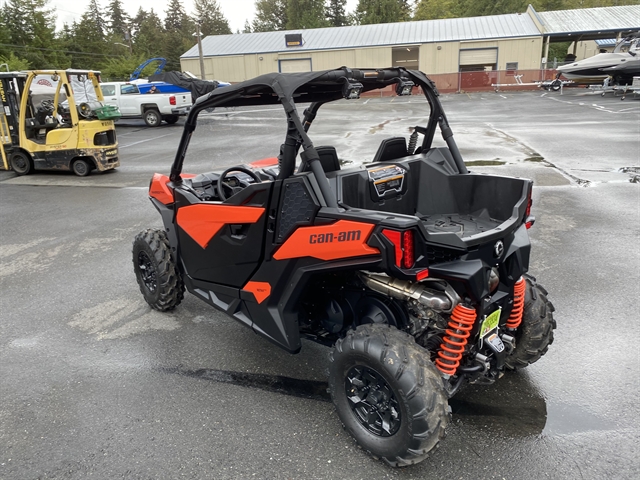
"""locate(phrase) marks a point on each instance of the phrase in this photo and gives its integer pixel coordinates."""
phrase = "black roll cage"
(316, 88)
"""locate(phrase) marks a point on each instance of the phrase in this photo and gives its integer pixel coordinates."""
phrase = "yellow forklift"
(56, 120)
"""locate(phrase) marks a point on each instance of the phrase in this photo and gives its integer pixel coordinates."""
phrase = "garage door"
(296, 65)
(484, 56)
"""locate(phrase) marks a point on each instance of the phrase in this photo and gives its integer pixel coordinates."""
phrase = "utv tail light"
(529, 220)
(403, 245)
(408, 257)
(172, 100)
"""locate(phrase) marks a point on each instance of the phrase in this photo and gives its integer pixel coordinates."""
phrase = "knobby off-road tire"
(535, 333)
(382, 356)
(159, 279)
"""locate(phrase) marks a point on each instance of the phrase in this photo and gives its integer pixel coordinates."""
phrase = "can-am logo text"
(349, 236)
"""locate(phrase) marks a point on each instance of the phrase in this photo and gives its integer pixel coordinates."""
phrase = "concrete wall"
(435, 58)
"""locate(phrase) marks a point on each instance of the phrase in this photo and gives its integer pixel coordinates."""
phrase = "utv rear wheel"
(21, 163)
(171, 119)
(388, 394)
(158, 277)
(535, 333)
(152, 117)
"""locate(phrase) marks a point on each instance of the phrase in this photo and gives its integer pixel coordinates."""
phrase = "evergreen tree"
(148, 34)
(17, 22)
(306, 14)
(95, 15)
(434, 9)
(379, 11)
(247, 27)
(336, 15)
(118, 18)
(213, 21)
(29, 27)
(271, 15)
(179, 30)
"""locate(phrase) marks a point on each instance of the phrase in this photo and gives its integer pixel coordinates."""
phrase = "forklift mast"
(11, 88)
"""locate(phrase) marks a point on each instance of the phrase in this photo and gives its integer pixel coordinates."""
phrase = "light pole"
(128, 46)
(198, 23)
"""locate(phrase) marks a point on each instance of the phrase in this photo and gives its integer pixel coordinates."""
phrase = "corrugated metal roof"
(405, 33)
(584, 20)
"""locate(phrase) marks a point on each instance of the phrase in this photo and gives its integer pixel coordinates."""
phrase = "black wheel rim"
(372, 401)
(147, 272)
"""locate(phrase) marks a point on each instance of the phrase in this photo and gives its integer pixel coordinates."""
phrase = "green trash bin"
(108, 112)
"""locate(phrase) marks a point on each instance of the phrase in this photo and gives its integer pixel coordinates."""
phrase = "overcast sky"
(236, 11)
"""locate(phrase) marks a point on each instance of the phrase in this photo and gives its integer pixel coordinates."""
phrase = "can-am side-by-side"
(411, 268)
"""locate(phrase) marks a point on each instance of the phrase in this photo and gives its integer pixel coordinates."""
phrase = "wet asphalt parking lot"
(93, 384)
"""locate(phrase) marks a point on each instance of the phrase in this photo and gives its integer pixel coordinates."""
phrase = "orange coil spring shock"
(453, 343)
(518, 304)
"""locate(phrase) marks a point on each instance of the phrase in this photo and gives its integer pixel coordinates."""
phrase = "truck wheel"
(388, 394)
(159, 279)
(535, 333)
(81, 167)
(152, 117)
(21, 163)
(170, 119)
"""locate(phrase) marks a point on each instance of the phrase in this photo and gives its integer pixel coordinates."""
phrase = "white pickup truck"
(151, 107)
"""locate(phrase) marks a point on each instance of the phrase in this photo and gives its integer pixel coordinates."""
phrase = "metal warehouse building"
(447, 47)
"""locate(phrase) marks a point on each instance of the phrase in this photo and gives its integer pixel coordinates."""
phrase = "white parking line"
(142, 141)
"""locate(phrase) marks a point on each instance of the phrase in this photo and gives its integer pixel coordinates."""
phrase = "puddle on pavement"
(513, 405)
(271, 383)
(484, 163)
(567, 419)
(535, 158)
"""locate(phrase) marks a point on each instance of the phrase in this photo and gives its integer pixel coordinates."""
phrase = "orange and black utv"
(411, 268)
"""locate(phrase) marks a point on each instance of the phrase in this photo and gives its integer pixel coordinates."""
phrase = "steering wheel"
(47, 106)
(234, 190)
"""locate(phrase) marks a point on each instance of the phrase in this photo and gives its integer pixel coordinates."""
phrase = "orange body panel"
(265, 162)
(160, 190)
(203, 221)
(342, 239)
(260, 290)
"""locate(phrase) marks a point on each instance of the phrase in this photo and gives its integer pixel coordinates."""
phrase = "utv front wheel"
(158, 277)
(388, 394)
(535, 333)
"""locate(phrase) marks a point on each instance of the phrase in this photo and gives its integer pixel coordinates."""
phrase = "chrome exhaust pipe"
(405, 290)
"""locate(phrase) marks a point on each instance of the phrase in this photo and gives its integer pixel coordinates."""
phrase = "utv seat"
(328, 159)
(391, 149)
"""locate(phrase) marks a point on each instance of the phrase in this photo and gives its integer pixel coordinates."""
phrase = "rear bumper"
(181, 111)
(106, 158)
